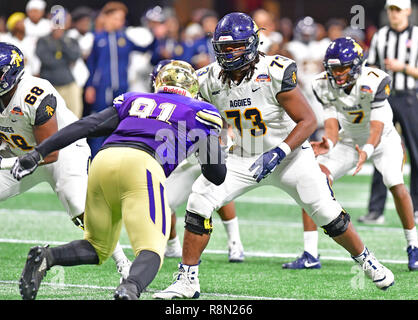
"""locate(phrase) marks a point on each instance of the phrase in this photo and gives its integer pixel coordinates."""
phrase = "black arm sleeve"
(213, 161)
(290, 80)
(95, 125)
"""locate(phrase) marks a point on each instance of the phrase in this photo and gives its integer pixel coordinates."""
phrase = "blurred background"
(93, 50)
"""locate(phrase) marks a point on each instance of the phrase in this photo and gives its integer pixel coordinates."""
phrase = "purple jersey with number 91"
(170, 124)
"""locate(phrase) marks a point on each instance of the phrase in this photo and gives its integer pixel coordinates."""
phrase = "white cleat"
(235, 252)
(381, 276)
(173, 249)
(186, 285)
(123, 268)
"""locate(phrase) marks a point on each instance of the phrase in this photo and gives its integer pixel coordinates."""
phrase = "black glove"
(26, 164)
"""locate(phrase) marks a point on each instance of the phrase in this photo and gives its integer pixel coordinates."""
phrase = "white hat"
(401, 4)
(36, 4)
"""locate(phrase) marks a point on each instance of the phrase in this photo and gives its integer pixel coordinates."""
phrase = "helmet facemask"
(235, 59)
(353, 74)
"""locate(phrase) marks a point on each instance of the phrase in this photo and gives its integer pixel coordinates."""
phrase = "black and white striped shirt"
(403, 45)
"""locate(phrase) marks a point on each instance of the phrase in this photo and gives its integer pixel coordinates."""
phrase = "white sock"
(232, 230)
(118, 255)
(360, 258)
(310, 242)
(411, 237)
(173, 242)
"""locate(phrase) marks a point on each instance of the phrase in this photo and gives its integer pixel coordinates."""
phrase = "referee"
(394, 49)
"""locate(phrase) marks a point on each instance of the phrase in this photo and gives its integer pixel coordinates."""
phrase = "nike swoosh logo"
(254, 90)
(305, 147)
(310, 265)
(275, 155)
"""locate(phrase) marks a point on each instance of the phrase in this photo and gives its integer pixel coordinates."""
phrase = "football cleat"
(235, 252)
(33, 272)
(126, 291)
(305, 261)
(372, 217)
(173, 249)
(412, 258)
(123, 268)
(186, 285)
(381, 276)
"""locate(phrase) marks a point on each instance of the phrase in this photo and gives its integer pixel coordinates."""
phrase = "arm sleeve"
(213, 161)
(383, 91)
(46, 109)
(95, 125)
(290, 78)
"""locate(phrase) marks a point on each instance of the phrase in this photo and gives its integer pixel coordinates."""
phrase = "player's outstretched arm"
(98, 124)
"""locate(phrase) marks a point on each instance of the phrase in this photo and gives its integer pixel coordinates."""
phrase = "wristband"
(7, 163)
(369, 149)
(285, 147)
(331, 144)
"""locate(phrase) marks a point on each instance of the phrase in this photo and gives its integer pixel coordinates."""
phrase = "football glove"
(26, 164)
(266, 163)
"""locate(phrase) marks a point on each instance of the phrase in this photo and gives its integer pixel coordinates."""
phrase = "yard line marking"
(215, 218)
(290, 201)
(259, 254)
(148, 290)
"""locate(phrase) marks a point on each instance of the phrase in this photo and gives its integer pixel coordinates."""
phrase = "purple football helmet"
(236, 29)
(11, 66)
(344, 52)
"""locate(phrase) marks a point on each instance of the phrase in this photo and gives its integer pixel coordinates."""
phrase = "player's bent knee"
(337, 226)
(197, 224)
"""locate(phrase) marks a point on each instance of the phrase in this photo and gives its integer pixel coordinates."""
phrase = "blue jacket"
(109, 59)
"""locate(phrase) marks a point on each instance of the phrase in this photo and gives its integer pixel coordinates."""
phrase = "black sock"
(144, 269)
(72, 254)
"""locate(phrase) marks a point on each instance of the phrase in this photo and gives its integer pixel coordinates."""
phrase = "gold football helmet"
(177, 77)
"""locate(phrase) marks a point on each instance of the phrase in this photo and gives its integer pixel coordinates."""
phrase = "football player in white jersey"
(259, 97)
(355, 97)
(31, 111)
(179, 186)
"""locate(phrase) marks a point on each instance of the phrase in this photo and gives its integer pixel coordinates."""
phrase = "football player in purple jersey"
(148, 135)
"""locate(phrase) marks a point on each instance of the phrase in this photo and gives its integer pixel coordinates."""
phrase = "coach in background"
(109, 60)
(394, 49)
(58, 53)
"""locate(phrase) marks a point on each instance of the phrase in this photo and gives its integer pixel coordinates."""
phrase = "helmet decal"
(11, 66)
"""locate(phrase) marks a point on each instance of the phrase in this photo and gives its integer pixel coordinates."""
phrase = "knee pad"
(337, 226)
(197, 224)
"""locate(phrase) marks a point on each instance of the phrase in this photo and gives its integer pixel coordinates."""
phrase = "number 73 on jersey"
(258, 127)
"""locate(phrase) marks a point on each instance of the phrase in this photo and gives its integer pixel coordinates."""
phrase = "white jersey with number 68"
(28, 107)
